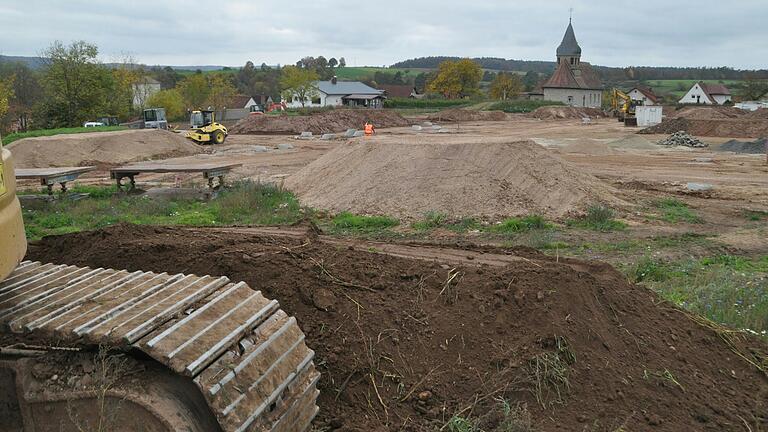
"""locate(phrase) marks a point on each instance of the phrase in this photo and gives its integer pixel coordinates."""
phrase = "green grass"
(246, 203)
(426, 103)
(432, 219)
(348, 222)
(520, 106)
(726, 289)
(755, 215)
(599, 218)
(361, 73)
(48, 132)
(516, 225)
(673, 211)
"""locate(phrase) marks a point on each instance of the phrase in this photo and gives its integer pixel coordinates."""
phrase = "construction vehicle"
(99, 349)
(623, 107)
(204, 129)
(154, 118)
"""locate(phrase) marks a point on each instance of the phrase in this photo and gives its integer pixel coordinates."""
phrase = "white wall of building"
(721, 99)
(696, 95)
(648, 115)
(575, 97)
(637, 95)
(142, 92)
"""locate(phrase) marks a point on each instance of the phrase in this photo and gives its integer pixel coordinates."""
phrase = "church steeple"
(569, 50)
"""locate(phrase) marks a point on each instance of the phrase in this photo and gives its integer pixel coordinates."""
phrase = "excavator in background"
(204, 129)
(100, 349)
(623, 107)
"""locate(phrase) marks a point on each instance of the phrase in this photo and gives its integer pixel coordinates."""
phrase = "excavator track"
(247, 357)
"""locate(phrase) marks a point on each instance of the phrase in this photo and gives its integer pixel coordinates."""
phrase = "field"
(50, 132)
(555, 273)
(678, 88)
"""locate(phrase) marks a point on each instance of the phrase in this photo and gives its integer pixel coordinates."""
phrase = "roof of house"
(569, 46)
(714, 89)
(345, 88)
(647, 92)
(395, 90)
(362, 96)
(565, 77)
(237, 101)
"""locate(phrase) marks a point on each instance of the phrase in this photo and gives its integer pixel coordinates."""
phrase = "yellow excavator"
(623, 107)
(204, 129)
(101, 349)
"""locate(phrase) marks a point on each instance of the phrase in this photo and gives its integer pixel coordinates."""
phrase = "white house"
(643, 96)
(574, 82)
(707, 94)
(340, 93)
(143, 90)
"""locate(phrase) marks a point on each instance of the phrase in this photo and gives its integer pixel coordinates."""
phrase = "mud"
(336, 120)
(404, 343)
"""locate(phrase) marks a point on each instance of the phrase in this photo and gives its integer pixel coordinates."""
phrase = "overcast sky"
(230, 32)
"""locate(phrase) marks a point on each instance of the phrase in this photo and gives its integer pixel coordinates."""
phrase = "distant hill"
(612, 74)
(31, 62)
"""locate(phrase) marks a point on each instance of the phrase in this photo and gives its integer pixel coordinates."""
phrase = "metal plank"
(54, 286)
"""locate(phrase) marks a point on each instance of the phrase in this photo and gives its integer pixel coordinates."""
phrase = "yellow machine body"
(13, 243)
(205, 129)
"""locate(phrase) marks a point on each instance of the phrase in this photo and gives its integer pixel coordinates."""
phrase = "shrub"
(521, 106)
(425, 103)
(599, 218)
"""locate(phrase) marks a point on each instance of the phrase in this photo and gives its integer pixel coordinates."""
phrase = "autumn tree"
(457, 79)
(298, 82)
(6, 94)
(753, 88)
(171, 100)
(195, 91)
(220, 90)
(506, 85)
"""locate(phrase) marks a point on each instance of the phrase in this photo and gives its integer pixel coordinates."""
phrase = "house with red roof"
(707, 94)
(644, 96)
(574, 82)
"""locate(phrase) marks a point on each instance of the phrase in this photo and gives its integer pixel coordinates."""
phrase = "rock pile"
(681, 138)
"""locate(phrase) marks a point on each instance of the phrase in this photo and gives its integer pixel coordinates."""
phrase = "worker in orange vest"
(369, 129)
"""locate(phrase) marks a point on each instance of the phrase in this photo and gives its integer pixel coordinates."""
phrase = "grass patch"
(755, 215)
(48, 132)
(246, 203)
(516, 225)
(432, 220)
(674, 211)
(425, 103)
(346, 221)
(505, 417)
(599, 218)
(521, 106)
(548, 373)
(726, 289)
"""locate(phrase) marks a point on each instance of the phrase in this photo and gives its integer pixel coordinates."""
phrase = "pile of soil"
(758, 114)
(336, 120)
(461, 115)
(565, 112)
(736, 128)
(405, 344)
(749, 147)
(101, 148)
(407, 179)
(708, 112)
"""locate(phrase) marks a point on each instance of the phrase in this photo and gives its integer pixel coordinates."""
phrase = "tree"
(530, 80)
(753, 88)
(457, 79)
(26, 91)
(332, 62)
(6, 94)
(342, 62)
(298, 82)
(506, 85)
(171, 100)
(245, 79)
(167, 76)
(194, 89)
(220, 90)
(420, 82)
(75, 83)
(124, 91)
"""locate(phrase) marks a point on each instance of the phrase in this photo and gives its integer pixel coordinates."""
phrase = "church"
(574, 82)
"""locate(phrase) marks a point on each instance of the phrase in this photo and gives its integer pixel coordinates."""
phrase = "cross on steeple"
(570, 15)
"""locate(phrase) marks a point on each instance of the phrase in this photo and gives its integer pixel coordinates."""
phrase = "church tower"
(569, 51)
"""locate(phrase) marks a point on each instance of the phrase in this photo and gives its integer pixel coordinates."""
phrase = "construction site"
(588, 265)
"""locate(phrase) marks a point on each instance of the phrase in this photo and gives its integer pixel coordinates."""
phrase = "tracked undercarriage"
(146, 351)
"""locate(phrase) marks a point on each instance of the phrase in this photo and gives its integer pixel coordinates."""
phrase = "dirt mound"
(460, 115)
(565, 112)
(736, 128)
(407, 179)
(405, 344)
(100, 148)
(750, 147)
(633, 142)
(708, 112)
(336, 120)
(758, 114)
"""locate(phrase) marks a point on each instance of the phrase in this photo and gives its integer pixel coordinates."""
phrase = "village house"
(707, 94)
(644, 96)
(574, 82)
(143, 89)
(340, 93)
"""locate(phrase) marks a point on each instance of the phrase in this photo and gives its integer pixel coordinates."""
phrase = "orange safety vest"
(369, 129)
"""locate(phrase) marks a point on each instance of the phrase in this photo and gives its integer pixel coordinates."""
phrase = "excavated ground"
(404, 343)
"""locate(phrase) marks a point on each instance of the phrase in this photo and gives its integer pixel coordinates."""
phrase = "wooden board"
(36, 173)
(166, 168)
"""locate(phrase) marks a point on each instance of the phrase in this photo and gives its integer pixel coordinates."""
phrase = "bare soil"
(739, 128)
(709, 112)
(337, 120)
(566, 112)
(409, 178)
(404, 343)
(100, 148)
(461, 115)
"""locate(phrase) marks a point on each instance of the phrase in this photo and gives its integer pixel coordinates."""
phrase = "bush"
(599, 218)
(514, 225)
(521, 106)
